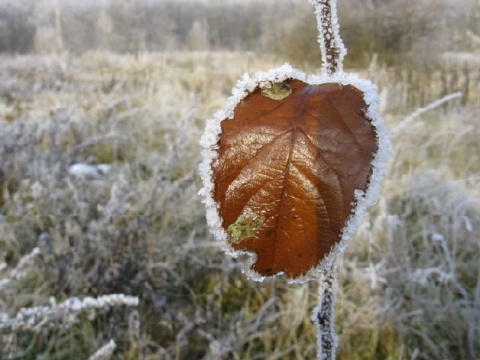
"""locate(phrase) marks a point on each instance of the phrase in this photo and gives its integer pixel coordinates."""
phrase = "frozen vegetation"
(99, 209)
(104, 250)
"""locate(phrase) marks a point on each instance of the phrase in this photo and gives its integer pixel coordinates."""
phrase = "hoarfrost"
(329, 36)
(36, 317)
(422, 276)
(323, 314)
(105, 352)
(87, 171)
(211, 137)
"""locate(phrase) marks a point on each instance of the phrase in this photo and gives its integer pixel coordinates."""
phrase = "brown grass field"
(409, 281)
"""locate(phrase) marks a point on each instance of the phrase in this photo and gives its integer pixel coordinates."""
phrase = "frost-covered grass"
(409, 282)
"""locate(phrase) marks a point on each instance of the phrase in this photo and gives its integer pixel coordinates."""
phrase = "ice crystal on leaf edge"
(211, 136)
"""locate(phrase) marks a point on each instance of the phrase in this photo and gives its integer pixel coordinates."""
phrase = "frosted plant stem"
(398, 130)
(331, 44)
(105, 352)
(324, 315)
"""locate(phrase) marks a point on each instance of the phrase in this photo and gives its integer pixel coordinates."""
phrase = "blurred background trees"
(394, 30)
(17, 27)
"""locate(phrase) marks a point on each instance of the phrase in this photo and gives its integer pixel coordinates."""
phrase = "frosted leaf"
(362, 199)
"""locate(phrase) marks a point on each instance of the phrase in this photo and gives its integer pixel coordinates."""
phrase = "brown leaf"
(289, 163)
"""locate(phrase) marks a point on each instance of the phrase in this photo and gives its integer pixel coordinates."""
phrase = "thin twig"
(331, 44)
(105, 352)
(324, 315)
(398, 130)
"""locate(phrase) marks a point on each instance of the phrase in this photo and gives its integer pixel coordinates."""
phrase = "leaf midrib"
(283, 194)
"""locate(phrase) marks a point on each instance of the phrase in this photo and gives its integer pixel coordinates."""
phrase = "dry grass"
(410, 284)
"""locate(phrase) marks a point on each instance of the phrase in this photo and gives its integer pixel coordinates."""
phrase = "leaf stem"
(331, 44)
(324, 315)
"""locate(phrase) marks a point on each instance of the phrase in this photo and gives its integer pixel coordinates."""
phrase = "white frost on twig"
(212, 134)
(331, 44)
(105, 352)
(33, 318)
(324, 314)
(20, 270)
(409, 119)
(87, 171)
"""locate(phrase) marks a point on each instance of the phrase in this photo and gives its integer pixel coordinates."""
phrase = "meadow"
(127, 219)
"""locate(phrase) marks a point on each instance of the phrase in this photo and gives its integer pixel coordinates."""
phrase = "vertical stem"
(58, 27)
(333, 52)
(324, 315)
(331, 44)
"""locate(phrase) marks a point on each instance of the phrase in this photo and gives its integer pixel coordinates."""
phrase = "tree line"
(390, 28)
